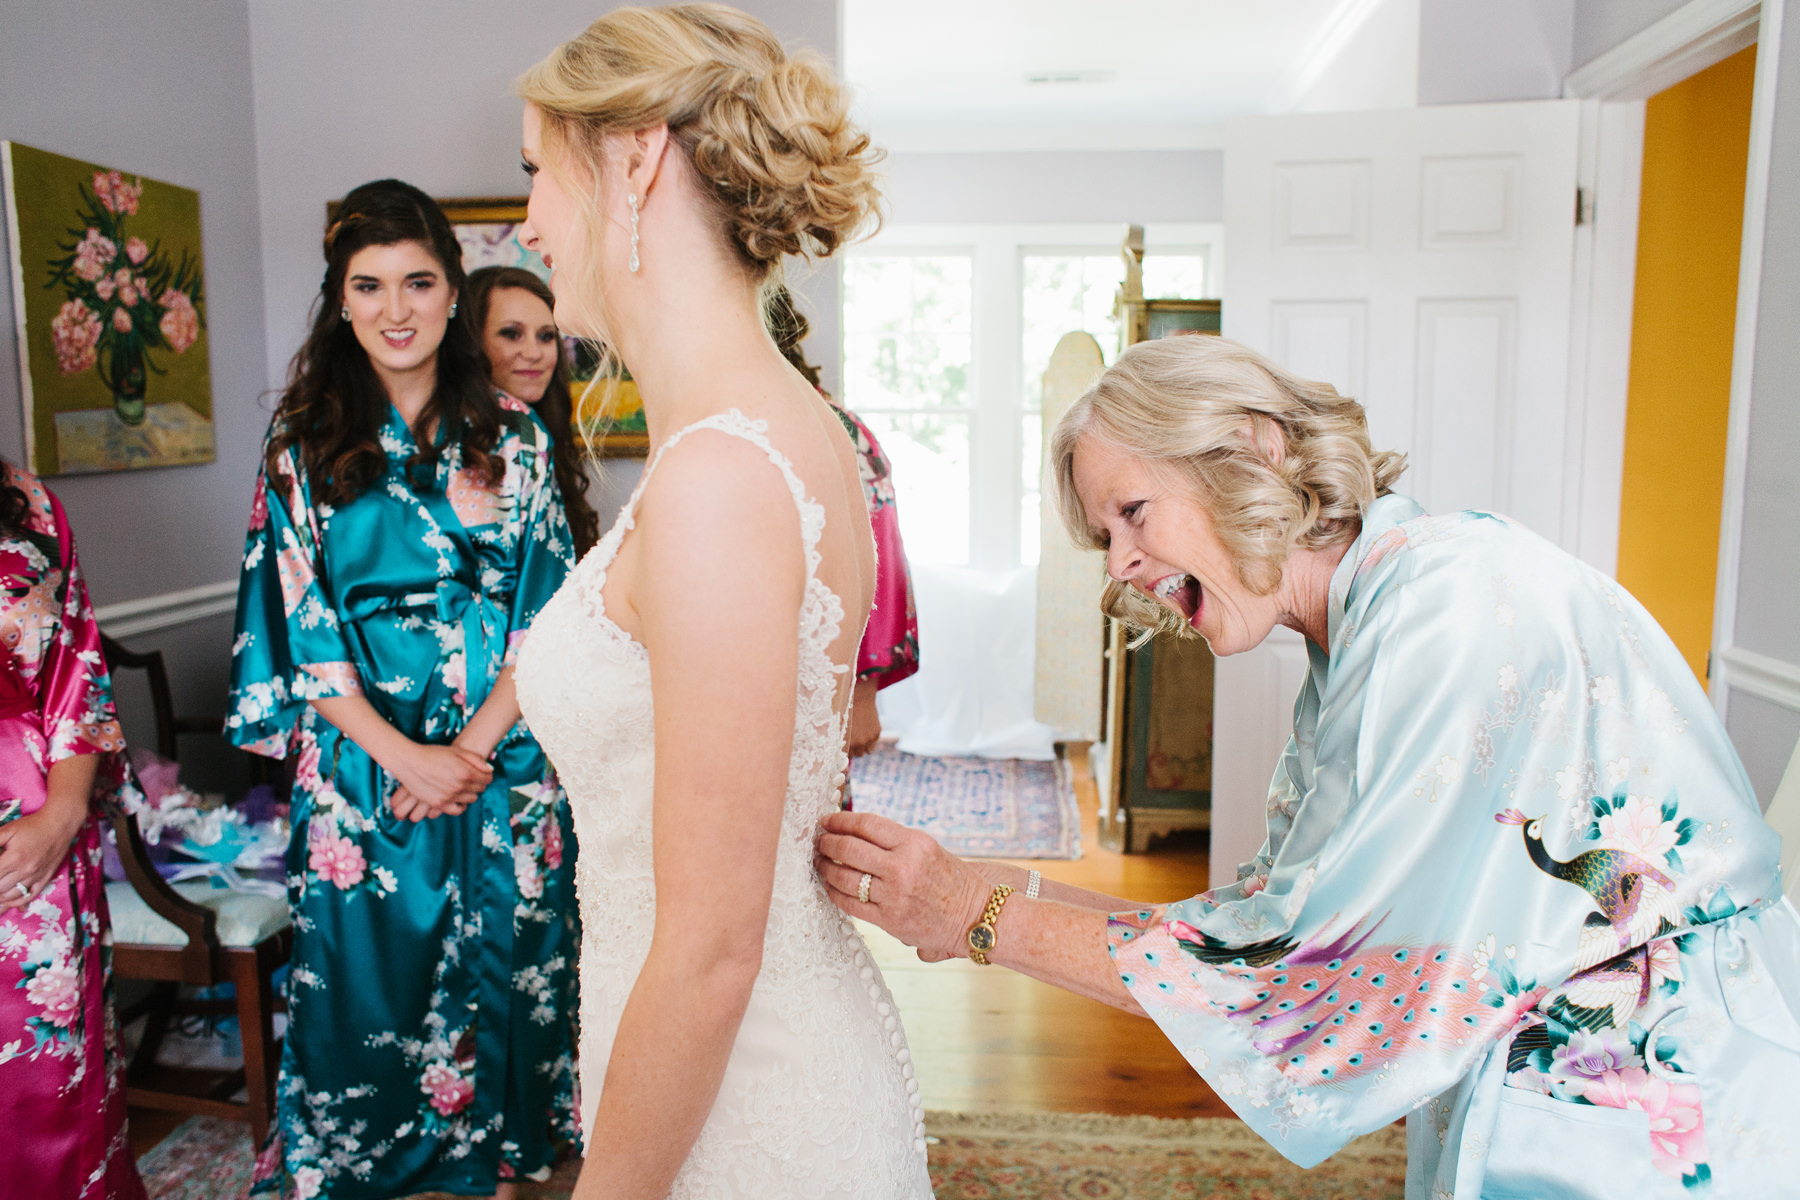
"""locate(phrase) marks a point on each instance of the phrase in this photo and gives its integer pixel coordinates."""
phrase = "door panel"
(1421, 261)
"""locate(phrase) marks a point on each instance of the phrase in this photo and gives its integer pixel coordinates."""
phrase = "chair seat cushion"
(245, 918)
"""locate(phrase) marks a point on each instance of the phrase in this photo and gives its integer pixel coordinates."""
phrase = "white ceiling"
(928, 73)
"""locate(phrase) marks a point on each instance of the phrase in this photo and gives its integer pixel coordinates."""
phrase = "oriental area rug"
(976, 807)
(989, 1156)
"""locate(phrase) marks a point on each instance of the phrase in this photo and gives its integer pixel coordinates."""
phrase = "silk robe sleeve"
(70, 681)
(545, 545)
(74, 691)
(290, 647)
(1397, 926)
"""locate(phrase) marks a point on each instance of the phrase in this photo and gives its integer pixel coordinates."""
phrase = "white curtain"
(972, 696)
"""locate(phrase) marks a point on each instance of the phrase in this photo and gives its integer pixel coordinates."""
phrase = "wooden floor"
(988, 1040)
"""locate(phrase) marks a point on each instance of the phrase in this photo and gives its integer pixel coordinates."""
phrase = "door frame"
(1686, 41)
(1728, 666)
(1612, 89)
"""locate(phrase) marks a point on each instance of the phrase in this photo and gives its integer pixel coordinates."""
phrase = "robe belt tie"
(483, 620)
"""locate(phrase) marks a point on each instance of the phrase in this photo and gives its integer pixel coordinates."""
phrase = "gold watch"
(982, 937)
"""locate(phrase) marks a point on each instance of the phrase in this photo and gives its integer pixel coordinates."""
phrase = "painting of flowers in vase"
(109, 299)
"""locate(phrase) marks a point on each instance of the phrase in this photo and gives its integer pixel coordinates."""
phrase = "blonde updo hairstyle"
(768, 134)
(1277, 461)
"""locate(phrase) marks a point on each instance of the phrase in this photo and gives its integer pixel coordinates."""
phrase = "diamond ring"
(862, 887)
(25, 890)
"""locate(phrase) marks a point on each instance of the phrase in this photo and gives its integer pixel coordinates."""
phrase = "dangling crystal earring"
(344, 312)
(631, 199)
(453, 308)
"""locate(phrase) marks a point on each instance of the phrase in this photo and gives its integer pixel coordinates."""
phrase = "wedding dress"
(818, 1099)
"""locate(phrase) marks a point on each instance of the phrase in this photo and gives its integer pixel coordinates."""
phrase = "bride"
(691, 680)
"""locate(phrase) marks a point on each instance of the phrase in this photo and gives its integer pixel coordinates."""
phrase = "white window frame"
(996, 388)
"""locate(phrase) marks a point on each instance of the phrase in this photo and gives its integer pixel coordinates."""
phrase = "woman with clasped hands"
(405, 530)
(1513, 869)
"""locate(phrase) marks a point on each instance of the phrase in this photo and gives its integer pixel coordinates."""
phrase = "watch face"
(982, 937)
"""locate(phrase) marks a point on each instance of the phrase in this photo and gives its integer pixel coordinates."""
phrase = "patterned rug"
(208, 1158)
(984, 807)
(987, 1156)
(998, 1156)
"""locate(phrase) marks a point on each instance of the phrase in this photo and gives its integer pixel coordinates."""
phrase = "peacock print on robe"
(1516, 889)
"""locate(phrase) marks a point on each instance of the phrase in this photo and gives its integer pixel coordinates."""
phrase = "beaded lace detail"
(819, 1098)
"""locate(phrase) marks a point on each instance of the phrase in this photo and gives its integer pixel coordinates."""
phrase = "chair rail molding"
(133, 618)
(1759, 675)
(1690, 39)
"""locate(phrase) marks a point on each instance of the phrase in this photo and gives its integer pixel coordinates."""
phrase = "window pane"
(1175, 276)
(1062, 293)
(930, 456)
(1031, 444)
(907, 331)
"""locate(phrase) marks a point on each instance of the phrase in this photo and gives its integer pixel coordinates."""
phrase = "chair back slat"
(202, 961)
(199, 957)
(156, 675)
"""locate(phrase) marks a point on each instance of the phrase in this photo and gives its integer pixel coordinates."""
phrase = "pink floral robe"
(62, 1073)
(890, 645)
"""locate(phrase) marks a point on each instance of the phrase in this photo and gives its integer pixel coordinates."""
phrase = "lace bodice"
(819, 1099)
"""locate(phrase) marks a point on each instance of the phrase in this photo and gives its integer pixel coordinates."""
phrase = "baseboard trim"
(1759, 675)
(133, 618)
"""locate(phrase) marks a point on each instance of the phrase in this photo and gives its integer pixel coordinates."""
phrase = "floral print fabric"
(431, 995)
(62, 1072)
(1516, 885)
(890, 645)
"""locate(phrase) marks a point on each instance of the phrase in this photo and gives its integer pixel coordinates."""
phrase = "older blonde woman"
(1515, 884)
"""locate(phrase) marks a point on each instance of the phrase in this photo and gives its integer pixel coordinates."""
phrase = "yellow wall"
(1690, 224)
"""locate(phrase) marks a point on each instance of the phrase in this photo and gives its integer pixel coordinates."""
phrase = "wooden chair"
(192, 933)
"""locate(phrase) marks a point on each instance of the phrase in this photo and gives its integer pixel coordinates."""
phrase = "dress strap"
(736, 424)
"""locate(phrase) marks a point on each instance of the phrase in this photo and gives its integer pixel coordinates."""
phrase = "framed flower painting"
(109, 299)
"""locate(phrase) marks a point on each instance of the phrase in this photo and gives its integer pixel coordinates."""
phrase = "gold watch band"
(982, 936)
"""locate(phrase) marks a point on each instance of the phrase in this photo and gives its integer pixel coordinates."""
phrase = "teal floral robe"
(1516, 885)
(431, 999)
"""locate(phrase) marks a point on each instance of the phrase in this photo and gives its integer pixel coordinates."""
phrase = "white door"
(1421, 261)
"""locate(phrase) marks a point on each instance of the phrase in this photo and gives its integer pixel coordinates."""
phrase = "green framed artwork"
(109, 298)
(615, 416)
(487, 228)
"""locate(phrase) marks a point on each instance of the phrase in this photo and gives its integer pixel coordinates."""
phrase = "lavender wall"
(1602, 24)
(161, 90)
(420, 90)
(1475, 51)
(117, 83)
(1055, 187)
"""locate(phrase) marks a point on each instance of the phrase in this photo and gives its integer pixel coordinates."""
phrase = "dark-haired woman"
(405, 530)
(512, 311)
(62, 1075)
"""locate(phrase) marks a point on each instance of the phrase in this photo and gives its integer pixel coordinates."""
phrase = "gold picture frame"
(110, 310)
(487, 228)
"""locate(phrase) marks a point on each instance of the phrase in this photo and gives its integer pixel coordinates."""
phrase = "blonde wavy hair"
(768, 134)
(1276, 460)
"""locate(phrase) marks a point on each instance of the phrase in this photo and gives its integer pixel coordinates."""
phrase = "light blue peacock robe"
(1516, 885)
(431, 1001)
